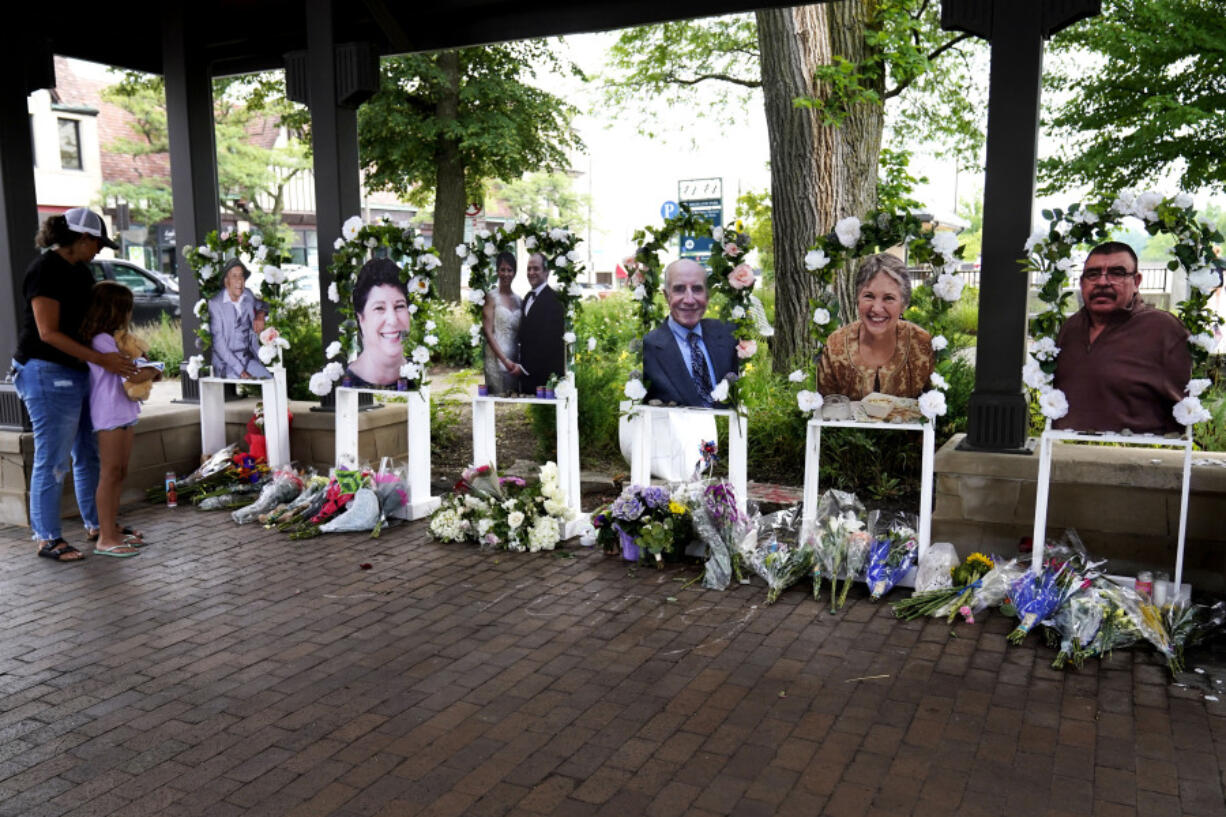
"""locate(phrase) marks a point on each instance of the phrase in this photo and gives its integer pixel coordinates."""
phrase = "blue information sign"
(705, 198)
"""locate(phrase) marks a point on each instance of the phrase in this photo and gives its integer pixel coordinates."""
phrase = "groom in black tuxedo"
(687, 356)
(541, 350)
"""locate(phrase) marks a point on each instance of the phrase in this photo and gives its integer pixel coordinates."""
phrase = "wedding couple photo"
(523, 336)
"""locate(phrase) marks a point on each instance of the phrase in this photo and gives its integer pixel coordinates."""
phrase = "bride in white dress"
(500, 325)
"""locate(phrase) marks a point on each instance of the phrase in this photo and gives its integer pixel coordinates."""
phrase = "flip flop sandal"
(58, 550)
(93, 537)
(116, 552)
(134, 540)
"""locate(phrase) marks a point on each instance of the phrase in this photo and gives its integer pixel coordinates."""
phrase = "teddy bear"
(132, 346)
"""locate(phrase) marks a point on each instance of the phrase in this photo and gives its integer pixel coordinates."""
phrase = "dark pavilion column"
(193, 158)
(332, 80)
(1016, 28)
(26, 66)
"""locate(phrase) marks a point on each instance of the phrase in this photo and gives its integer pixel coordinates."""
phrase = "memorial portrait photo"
(236, 318)
(381, 310)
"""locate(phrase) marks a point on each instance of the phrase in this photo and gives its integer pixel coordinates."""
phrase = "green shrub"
(165, 341)
(452, 328)
(299, 324)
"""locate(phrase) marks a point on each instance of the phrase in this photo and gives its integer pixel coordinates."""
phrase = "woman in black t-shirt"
(52, 378)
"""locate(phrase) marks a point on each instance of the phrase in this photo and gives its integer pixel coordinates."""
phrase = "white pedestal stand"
(1043, 488)
(813, 455)
(276, 414)
(485, 445)
(420, 503)
(738, 432)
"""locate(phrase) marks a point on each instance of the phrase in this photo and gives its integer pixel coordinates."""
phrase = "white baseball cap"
(84, 220)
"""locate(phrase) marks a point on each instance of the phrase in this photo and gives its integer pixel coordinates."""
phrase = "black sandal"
(60, 551)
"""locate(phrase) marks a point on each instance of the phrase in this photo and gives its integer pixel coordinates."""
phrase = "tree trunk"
(857, 141)
(449, 197)
(791, 42)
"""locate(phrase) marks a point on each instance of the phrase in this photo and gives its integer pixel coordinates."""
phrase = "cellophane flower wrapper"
(285, 486)
(935, 568)
(1077, 623)
(1035, 598)
(892, 551)
(1143, 616)
(839, 524)
(392, 490)
(776, 551)
(995, 585)
(1188, 624)
(303, 506)
(721, 527)
(231, 497)
(360, 514)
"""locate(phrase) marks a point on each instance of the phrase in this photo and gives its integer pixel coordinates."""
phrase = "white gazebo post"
(421, 503)
(1043, 488)
(485, 443)
(813, 454)
(738, 435)
(276, 414)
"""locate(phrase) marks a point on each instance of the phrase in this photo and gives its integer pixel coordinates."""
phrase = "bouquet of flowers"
(242, 476)
(212, 471)
(892, 553)
(642, 520)
(993, 588)
(1187, 624)
(1035, 596)
(301, 508)
(722, 527)
(284, 486)
(776, 553)
(964, 578)
(503, 512)
(841, 545)
(393, 493)
(1075, 627)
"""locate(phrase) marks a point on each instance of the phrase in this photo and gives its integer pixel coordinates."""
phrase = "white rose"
(1036, 238)
(461, 250)
(591, 344)
(564, 390)
(429, 261)
(718, 235)
(421, 355)
(412, 309)
(1033, 375)
(337, 245)
(419, 242)
(738, 312)
(939, 343)
(1189, 411)
(945, 243)
(530, 242)
(1204, 340)
(206, 272)
(1041, 279)
(334, 370)
(560, 262)
(1182, 200)
(515, 519)
(489, 248)
(569, 337)
(267, 354)
(809, 401)
(948, 287)
(1053, 403)
(938, 381)
(797, 376)
(639, 293)
(932, 404)
(558, 234)
(334, 294)
(821, 317)
(1145, 207)
(848, 231)
(410, 371)
(1044, 348)
(1204, 279)
(634, 389)
(320, 384)
(193, 366)
(477, 297)
(334, 349)
(1197, 386)
(201, 309)
(430, 340)
(483, 233)
(274, 275)
(351, 227)
(815, 260)
(720, 393)
(575, 289)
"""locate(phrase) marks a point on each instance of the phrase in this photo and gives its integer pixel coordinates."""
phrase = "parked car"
(153, 295)
(593, 292)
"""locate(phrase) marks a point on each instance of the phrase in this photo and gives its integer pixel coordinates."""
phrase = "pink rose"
(269, 335)
(746, 348)
(967, 614)
(741, 277)
(636, 278)
(731, 250)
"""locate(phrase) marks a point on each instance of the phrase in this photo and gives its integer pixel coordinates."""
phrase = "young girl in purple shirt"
(113, 414)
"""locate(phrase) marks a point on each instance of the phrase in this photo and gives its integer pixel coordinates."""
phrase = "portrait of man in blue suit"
(236, 318)
(689, 354)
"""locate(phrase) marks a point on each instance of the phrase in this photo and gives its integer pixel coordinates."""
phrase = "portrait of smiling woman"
(878, 352)
(381, 305)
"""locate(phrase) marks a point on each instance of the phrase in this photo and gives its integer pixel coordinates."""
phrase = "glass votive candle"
(483, 390)
(540, 391)
(1163, 592)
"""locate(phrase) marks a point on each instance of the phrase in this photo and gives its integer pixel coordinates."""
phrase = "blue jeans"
(57, 400)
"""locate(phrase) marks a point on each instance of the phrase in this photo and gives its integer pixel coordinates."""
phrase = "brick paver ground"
(231, 671)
